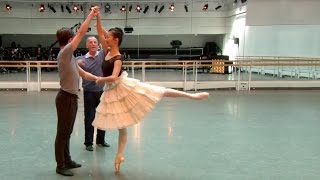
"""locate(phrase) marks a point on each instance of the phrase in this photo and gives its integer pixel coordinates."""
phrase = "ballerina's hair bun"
(117, 33)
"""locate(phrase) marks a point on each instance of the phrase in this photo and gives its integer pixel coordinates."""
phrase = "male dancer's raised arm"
(83, 28)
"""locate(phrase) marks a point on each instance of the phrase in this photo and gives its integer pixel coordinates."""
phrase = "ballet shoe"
(201, 96)
(117, 163)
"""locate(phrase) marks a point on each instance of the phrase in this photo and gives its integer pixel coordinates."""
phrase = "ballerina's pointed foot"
(117, 163)
(201, 96)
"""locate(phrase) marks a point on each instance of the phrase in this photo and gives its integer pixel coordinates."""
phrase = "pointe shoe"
(201, 96)
(117, 163)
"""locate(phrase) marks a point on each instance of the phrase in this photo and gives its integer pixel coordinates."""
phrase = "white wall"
(193, 29)
(28, 27)
(283, 28)
(283, 12)
(163, 41)
(236, 29)
(26, 19)
(132, 41)
(286, 40)
(265, 36)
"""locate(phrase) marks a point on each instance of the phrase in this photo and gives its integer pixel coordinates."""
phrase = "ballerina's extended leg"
(175, 93)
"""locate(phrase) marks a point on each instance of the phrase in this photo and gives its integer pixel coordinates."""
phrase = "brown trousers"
(67, 107)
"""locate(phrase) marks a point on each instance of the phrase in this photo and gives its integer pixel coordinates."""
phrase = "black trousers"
(91, 101)
(67, 106)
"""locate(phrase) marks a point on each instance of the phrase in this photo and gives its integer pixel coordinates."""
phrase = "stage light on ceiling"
(205, 7)
(62, 8)
(75, 8)
(8, 7)
(156, 8)
(218, 7)
(161, 9)
(52, 8)
(123, 9)
(146, 9)
(243, 1)
(138, 8)
(130, 8)
(107, 8)
(171, 8)
(42, 8)
(68, 9)
(186, 8)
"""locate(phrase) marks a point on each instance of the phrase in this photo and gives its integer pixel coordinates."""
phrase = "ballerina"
(125, 101)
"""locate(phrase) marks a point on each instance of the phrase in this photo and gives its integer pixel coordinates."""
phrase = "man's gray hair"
(90, 38)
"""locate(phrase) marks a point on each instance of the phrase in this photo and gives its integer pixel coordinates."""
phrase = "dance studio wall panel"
(132, 41)
(24, 18)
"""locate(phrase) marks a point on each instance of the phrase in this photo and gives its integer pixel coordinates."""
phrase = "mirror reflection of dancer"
(126, 101)
(67, 97)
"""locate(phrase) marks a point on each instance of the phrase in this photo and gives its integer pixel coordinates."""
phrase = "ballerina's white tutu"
(125, 102)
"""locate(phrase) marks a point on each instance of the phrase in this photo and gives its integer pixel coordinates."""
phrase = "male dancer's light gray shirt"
(68, 70)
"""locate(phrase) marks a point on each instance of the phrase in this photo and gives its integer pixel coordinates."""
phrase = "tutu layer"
(125, 103)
